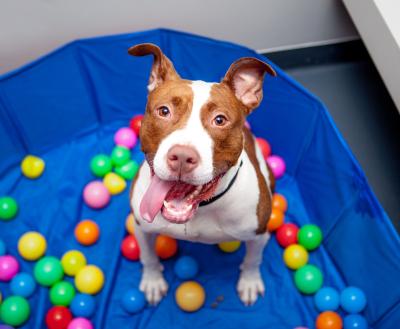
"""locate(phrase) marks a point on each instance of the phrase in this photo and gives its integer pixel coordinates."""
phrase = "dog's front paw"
(154, 286)
(250, 285)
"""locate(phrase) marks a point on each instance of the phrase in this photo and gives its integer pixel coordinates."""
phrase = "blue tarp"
(65, 108)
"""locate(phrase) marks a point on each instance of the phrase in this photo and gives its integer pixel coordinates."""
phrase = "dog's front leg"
(152, 283)
(250, 283)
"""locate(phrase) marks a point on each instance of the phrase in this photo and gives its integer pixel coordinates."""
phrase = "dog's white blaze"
(192, 134)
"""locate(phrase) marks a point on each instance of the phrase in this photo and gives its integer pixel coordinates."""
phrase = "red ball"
(130, 248)
(135, 123)
(287, 234)
(264, 146)
(58, 317)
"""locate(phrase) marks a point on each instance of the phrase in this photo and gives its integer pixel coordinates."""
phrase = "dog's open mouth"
(177, 200)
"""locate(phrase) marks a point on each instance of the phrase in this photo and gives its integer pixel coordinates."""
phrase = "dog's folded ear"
(245, 77)
(162, 69)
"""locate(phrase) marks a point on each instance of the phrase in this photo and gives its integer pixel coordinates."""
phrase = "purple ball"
(125, 137)
(9, 267)
(80, 323)
(277, 165)
(5, 326)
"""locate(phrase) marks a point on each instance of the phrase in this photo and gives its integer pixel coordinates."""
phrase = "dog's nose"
(182, 159)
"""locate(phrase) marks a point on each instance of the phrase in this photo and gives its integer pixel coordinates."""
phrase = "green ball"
(8, 208)
(48, 271)
(62, 293)
(308, 279)
(128, 170)
(100, 165)
(120, 155)
(310, 236)
(14, 311)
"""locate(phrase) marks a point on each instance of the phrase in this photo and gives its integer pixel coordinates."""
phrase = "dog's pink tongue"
(154, 198)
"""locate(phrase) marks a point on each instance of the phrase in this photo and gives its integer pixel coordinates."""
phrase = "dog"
(204, 178)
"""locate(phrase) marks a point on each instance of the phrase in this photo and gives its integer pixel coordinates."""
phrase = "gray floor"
(367, 118)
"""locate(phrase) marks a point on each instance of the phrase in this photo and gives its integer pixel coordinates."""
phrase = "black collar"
(215, 198)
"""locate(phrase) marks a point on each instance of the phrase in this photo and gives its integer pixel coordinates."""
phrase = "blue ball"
(353, 300)
(83, 305)
(186, 268)
(355, 321)
(2, 248)
(23, 284)
(133, 301)
(327, 299)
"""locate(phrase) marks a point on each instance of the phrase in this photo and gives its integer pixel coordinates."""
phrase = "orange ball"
(275, 220)
(87, 232)
(165, 246)
(279, 202)
(129, 224)
(329, 320)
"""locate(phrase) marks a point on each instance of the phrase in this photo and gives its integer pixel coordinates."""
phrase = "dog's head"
(192, 131)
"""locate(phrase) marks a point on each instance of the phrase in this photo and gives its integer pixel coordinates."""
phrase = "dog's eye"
(220, 120)
(164, 112)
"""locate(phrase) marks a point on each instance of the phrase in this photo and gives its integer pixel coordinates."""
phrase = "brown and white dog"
(204, 178)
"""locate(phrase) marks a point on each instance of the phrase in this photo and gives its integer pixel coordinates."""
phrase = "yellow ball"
(114, 183)
(295, 256)
(32, 245)
(130, 224)
(89, 280)
(190, 296)
(229, 246)
(32, 166)
(72, 262)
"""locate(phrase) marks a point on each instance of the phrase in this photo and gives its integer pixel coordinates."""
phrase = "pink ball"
(80, 323)
(9, 267)
(277, 165)
(125, 137)
(96, 195)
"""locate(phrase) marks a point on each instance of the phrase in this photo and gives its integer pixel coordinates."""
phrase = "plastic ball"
(247, 125)
(190, 296)
(229, 246)
(96, 195)
(135, 124)
(353, 300)
(133, 301)
(329, 320)
(9, 267)
(89, 280)
(130, 224)
(32, 245)
(355, 321)
(165, 246)
(62, 293)
(125, 137)
(1, 297)
(14, 311)
(32, 166)
(308, 279)
(73, 261)
(186, 268)
(277, 165)
(327, 299)
(264, 147)
(114, 183)
(130, 248)
(8, 208)
(287, 234)
(3, 248)
(83, 305)
(276, 220)
(279, 202)
(87, 232)
(58, 317)
(310, 236)
(23, 284)
(80, 323)
(128, 170)
(100, 165)
(48, 271)
(295, 256)
(5, 326)
(120, 155)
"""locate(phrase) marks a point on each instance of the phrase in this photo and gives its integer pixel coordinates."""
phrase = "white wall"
(33, 27)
